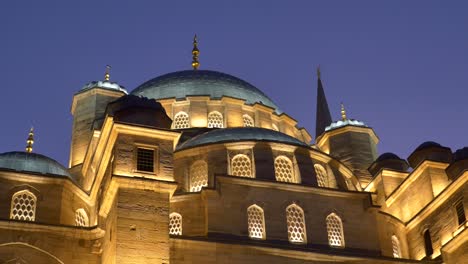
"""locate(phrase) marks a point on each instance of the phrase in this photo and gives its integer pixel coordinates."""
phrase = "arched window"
(322, 177)
(335, 231)
(396, 247)
(81, 218)
(181, 120)
(274, 127)
(248, 121)
(428, 243)
(284, 171)
(241, 166)
(23, 206)
(175, 224)
(215, 119)
(296, 224)
(256, 222)
(198, 175)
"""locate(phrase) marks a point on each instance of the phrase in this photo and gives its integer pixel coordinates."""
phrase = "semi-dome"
(214, 84)
(31, 162)
(237, 134)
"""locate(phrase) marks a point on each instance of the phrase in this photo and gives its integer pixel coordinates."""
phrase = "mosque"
(199, 166)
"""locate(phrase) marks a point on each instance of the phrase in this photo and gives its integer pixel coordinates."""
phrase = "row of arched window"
(215, 120)
(241, 166)
(23, 207)
(295, 221)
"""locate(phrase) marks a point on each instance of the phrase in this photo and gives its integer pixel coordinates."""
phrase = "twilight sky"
(399, 66)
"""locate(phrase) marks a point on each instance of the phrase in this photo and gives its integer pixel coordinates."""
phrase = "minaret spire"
(323, 116)
(195, 53)
(107, 75)
(343, 112)
(30, 141)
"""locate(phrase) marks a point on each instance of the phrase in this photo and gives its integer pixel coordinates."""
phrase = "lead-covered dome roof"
(31, 162)
(214, 84)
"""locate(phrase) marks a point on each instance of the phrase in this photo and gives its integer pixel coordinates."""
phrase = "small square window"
(145, 160)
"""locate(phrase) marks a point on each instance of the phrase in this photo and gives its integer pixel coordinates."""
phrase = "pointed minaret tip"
(323, 116)
(343, 112)
(30, 141)
(318, 71)
(195, 53)
(107, 75)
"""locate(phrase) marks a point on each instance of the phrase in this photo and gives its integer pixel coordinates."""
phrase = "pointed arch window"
(81, 218)
(248, 121)
(428, 243)
(181, 120)
(322, 176)
(256, 222)
(175, 224)
(396, 247)
(241, 166)
(284, 170)
(23, 206)
(215, 119)
(198, 175)
(335, 231)
(296, 224)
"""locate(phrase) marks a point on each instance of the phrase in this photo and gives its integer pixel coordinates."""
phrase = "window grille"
(215, 119)
(460, 209)
(181, 120)
(81, 218)
(396, 247)
(145, 159)
(296, 224)
(248, 121)
(23, 206)
(241, 166)
(335, 230)
(256, 222)
(284, 171)
(175, 224)
(198, 176)
(322, 177)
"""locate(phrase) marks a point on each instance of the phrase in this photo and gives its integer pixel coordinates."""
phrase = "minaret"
(323, 117)
(30, 141)
(195, 53)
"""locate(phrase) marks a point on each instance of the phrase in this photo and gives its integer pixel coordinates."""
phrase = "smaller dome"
(390, 161)
(104, 85)
(430, 150)
(31, 162)
(237, 134)
(388, 156)
(342, 123)
(428, 144)
(461, 154)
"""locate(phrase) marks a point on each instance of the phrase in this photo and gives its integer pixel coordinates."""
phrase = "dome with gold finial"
(105, 84)
(345, 121)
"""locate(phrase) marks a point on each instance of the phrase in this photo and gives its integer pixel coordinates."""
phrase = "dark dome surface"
(214, 84)
(387, 156)
(223, 135)
(428, 144)
(31, 162)
(461, 154)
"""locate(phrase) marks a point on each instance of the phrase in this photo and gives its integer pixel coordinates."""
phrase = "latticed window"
(460, 209)
(175, 224)
(256, 222)
(296, 224)
(198, 175)
(181, 120)
(396, 247)
(23, 206)
(335, 230)
(145, 159)
(284, 171)
(215, 119)
(241, 166)
(248, 121)
(322, 177)
(81, 218)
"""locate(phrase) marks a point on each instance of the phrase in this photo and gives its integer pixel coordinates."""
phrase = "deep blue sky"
(400, 66)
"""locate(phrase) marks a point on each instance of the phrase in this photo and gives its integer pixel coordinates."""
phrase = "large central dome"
(214, 84)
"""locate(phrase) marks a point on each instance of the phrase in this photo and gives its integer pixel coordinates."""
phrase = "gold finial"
(343, 112)
(107, 75)
(30, 141)
(318, 71)
(195, 53)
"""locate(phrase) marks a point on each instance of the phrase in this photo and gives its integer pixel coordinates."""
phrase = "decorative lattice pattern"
(215, 119)
(81, 218)
(175, 224)
(198, 176)
(274, 127)
(284, 171)
(23, 206)
(241, 166)
(248, 121)
(396, 247)
(256, 222)
(322, 177)
(335, 231)
(296, 224)
(145, 160)
(181, 120)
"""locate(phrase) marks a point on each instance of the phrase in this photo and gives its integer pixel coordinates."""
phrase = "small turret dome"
(428, 144)
(32, 162)
(108, 85)
(390, 161)
(430, 150)
(459, 165)
(388, 156)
